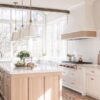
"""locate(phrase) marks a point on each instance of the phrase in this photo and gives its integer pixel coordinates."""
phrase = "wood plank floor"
(72, 95)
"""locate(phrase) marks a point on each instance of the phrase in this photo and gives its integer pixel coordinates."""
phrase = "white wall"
(88, 48)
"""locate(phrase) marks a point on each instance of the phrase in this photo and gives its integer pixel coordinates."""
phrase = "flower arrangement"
(22, 55)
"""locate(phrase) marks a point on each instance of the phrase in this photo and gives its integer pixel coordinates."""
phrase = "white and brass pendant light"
(15, 34)
(28, 30)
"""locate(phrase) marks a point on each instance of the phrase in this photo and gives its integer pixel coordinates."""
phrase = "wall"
(88, 48)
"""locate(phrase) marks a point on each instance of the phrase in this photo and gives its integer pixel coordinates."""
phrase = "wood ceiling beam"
(34, 8)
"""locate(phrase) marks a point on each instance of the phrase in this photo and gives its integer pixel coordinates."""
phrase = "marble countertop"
(41, 68)
(89, 66)
(10, 68)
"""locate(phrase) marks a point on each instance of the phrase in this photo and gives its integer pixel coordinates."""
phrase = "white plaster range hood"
(81, 22)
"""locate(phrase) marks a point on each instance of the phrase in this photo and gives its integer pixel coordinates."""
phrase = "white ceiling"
(59, 4)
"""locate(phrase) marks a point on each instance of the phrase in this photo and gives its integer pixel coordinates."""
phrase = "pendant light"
(30, 27)
(44, 35)
(15, 34)
(28, 31)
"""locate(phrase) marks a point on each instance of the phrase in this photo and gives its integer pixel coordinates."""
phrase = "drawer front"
(73, 78)
(71, 84)
(93, 71)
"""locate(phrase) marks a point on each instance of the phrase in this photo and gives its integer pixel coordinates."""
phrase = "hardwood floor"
(72, 95)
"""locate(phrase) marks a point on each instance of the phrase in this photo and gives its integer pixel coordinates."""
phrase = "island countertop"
(10, 68)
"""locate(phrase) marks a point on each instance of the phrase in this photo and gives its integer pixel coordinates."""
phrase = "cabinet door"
(52, 88)
(19, 88)
(97, 86)
(36, 88)
(91, 86)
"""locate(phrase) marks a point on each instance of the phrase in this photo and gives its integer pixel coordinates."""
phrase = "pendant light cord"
(45, 31)
(30, 11)
(67, 19)
(67, 47)
(15, 16)
(67, 40)
(22, 15)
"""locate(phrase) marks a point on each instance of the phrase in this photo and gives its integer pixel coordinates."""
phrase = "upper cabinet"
(81, 21)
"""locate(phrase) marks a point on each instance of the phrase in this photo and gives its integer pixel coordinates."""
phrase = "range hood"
(81, 23)
(79, 35)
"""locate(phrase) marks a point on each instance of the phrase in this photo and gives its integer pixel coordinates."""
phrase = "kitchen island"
(40, 83)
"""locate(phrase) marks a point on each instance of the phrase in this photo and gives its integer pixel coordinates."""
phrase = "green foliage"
(23, 54)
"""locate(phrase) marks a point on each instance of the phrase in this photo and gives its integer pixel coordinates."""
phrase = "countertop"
(10, 68)
(89, 66)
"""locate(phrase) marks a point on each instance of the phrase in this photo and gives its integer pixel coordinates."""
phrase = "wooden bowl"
(20, 65)
(30, 65)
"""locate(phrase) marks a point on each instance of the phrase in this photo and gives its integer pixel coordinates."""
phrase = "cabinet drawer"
(93, 71)
(70, 84)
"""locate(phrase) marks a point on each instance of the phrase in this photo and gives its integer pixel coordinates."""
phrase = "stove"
(73, 66)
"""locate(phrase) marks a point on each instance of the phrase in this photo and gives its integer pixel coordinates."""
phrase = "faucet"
(70, 56)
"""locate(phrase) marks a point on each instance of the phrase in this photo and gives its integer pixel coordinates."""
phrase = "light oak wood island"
(30, 84)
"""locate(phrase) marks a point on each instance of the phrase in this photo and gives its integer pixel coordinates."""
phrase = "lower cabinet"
(19, 88)
(44, 88)
(52, 89)
(36, 87)
(74, 79)
(93, 86)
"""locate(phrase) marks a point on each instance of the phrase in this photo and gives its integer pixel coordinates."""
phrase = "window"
(55, 46)
(48, 41)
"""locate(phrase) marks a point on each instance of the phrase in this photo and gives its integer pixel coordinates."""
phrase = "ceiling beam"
(34, 8)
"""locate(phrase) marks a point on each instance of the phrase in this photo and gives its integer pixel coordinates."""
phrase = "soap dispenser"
(99, 58)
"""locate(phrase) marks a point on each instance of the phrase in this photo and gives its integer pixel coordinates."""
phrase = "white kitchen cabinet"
(90, 85)
(97, 86)
(84, 79)
(74, 79)
(93, 86)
